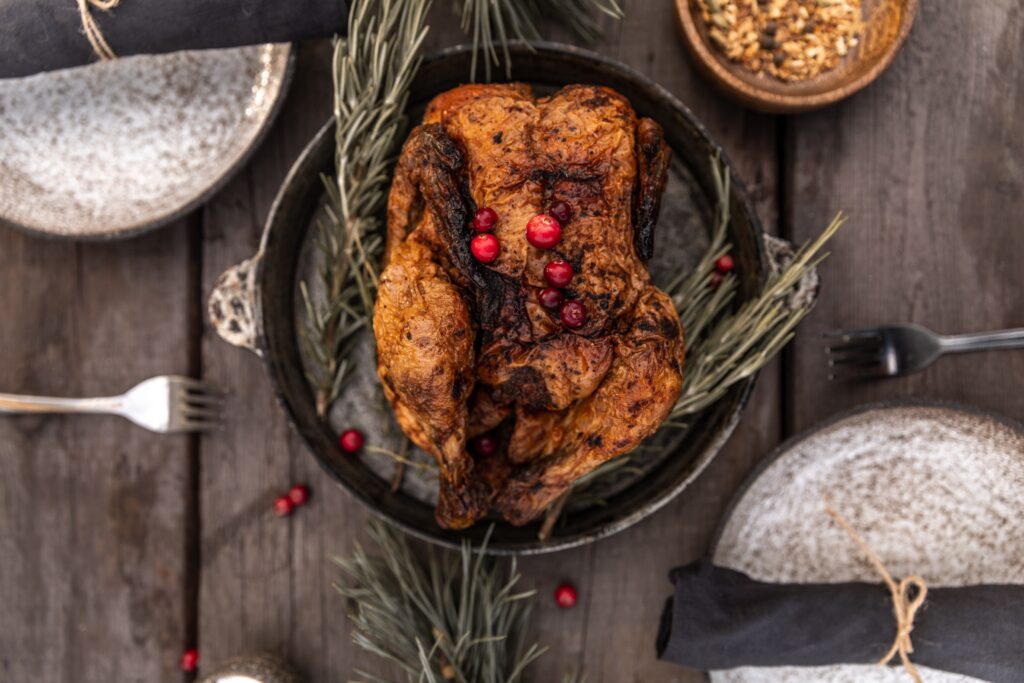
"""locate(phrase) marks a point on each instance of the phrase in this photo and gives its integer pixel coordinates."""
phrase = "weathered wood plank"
(92, 509)
(266, 582)
(927, 162)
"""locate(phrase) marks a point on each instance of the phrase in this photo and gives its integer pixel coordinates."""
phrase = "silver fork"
(163, 404)
(895, 350)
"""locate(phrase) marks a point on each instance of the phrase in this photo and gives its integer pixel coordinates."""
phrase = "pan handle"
(780, 253)
(233, 309)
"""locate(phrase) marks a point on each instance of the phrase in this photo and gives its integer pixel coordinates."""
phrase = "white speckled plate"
(934, 490)
(112, 149)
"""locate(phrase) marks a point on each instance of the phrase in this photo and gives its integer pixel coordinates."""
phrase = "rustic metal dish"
(255, 305)
(937, 490)
(887, 25)
(114, 149)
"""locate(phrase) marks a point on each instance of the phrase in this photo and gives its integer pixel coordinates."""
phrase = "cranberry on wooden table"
(190, 659)
(299, 494)
(283, 506)
(485, 247)
(565, 595)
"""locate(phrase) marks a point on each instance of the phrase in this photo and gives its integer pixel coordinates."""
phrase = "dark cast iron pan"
(253, 304)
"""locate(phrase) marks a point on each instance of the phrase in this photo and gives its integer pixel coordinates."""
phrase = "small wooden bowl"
(887, 24)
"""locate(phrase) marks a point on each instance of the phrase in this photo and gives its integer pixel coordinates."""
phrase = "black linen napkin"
(43, 35)
(722, 619)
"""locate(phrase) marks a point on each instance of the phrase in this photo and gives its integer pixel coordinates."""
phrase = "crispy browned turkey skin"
(465, 348)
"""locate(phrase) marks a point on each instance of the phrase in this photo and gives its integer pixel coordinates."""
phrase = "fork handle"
(14, 404)
(984, 341)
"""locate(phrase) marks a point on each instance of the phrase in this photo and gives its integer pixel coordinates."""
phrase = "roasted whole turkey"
(556, 379)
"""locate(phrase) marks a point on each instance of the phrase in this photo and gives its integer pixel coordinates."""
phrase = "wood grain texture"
(265, 581)
(94, 513)
(928, 163)
(92, 509)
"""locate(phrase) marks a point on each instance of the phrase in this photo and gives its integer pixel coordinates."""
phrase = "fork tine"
(202, 400)
(190, 413)
(866, 345)
(855, 359)
(851, 334)
(197, 386)
(208, 390)
(852, 371)
(199, 425)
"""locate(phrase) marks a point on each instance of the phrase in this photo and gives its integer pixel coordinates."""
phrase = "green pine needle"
(373, 69)
(451, 617)
(493, 23)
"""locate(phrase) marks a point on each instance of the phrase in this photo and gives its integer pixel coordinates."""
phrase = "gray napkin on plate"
(43, 35)
(723, 619)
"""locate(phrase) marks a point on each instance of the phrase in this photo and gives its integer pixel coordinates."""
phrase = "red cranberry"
(724, 264)
(543, 231)
(486, 445)
(485, 247)
(565, 596)
(351, 440)
(190, 659)
(715, 281)
(551, 297)
(573, 313)
(299, 494)
(485, 219)
(283, 506)
(561, 211)
(558, 273)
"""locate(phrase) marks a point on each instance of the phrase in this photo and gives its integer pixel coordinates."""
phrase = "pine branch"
(726, 348)
(373, 69)
(493, 23)
(450, 618)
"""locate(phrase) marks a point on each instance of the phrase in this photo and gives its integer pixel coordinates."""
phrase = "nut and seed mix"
(792, 40)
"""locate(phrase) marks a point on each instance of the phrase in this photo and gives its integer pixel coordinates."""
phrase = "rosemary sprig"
(450, 618)
(726, 348)
(373, 68)
(493, 23)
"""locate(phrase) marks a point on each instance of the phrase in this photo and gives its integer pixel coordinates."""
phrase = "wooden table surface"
(119, 548)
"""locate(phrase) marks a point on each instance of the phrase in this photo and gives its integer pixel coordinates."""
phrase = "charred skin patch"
(525, 386)
(653, 157)
(442, 181)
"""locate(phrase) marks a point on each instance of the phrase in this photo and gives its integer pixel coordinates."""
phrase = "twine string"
(92, 30)
(903, 606)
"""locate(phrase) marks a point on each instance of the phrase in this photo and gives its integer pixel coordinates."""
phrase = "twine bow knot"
(907, 597)
(92, 29)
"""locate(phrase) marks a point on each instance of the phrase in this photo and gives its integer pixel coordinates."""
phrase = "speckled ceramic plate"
(113, 149)
(935, 490)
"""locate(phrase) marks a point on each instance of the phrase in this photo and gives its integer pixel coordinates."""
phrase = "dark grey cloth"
(722, 619)
(42, 35)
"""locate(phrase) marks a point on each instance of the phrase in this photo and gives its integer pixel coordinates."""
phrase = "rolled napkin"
(43, 35)
(720, 618)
